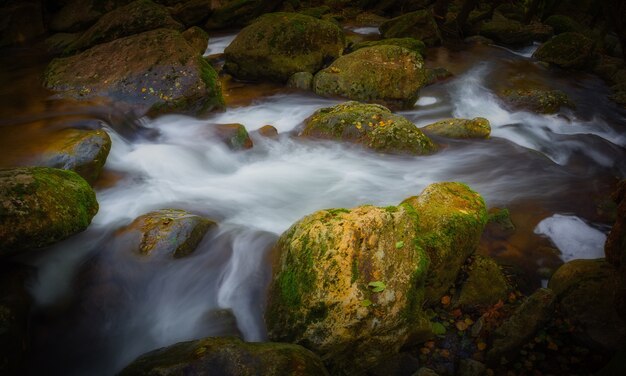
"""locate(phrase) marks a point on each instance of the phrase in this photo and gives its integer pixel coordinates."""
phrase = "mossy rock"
(40, 206)
(77, 15)
(171, 232)
(234, 135)
(411, 44)
(586, 291)
(485, 284)
(567, 50)
(460, 128)
(521, 326)
(232, 13)
(301, 80)
(563, 24)
(350, 284)
(227, 356)
(192, 12)
(506, 31)
(452, 218)
(435, 75)
(197, 38)
(389, 75)
(156, 72)
(134, 18)
(59, 42)
(541, 101)
(511, 11)
(370, 125)
(500, 224)
(420, 25)
(277, 45)
(81, 151)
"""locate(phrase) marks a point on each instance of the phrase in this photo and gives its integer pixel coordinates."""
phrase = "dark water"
(99, 306)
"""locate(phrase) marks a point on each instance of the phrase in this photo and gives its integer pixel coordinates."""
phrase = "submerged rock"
(409, 43)
(227, 356)
(134, 18)
(567, 50)
(370, 125)
(390, 75)
(485, 284)
(586, 294)
(460, 128)
(277, 45)
(541, 101)
(40, 206)
(350, 284)
(169, 232)
(156, 71)
(420, 25)
(83, 152)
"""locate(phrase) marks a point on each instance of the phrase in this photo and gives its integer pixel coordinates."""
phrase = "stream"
(99, 306)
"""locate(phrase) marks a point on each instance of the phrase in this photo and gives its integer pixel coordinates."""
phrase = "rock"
(563, 24)
(409, 43)
(20, 22)
(586, 294)
(77, 15)
(607, 67)
(370, 125)
(500, 225)
(452, 219)
(301, 80)
(485, 284)
(506, 31)
(460, 128)
(479, 39)
(350, 284)
(227, 356)
(231, 13)
(197, 38)
(268, 131)
(278, 45)
(171, 232)
(15, 306)
(434, 75)
(40, 206)
(567, 50)
(59, 42)
(511, 11)
(155, 72)
(134, 18)
(369, 19)
(541, 101)
(509, 337)
(420, 25)
(471, 367)
(315, 12)
(390, 75)
(425, 371)
(193, 12)
(396, 365)
(615, 246)
(235, 136)
(83, 152)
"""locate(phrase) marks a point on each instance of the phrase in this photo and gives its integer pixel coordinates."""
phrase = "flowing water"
(99, 305)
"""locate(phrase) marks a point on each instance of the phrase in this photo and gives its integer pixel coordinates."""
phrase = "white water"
(573, 237)
(217, 45)
(256, 194)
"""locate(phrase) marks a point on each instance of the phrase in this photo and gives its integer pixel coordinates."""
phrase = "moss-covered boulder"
(227, 356)
(408, 43)
(512, 32)
(301, 80)
(134, 18)
(277, 45)
(171, 232)
(39, 206)
(420, 25)
(586, 295)
(76, 15)
(370, 125)
(234, 135)
(231, 13)
(563, 24)
(541, 101)
(438, 74)
(567, 50)
(460, 128)
(451, 220)
(155, 72)
(521, 326)
(197, 38)
(389, 75)
(81, 151)
(350, 284)
(485, 284)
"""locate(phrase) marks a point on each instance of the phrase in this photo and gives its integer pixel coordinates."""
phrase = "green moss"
(411, 44)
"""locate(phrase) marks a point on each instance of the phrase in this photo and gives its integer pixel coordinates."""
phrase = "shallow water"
(100, 305)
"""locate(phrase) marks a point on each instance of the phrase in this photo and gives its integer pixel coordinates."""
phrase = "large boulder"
(511, 32)
(460, 128)
(40, 205)
(350, 284)
(277, 45)
(567, 50)
(370, 125)
(409, 43)
(227, 356)
(77, 15)
(155, 72)
(419, 25)
(134, 18)
(81, 151)
(170, 232)
(542, 101)
(586, 291)
(231, 13)
(385, 74)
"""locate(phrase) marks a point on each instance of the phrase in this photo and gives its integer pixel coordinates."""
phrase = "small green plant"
(377, 286)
